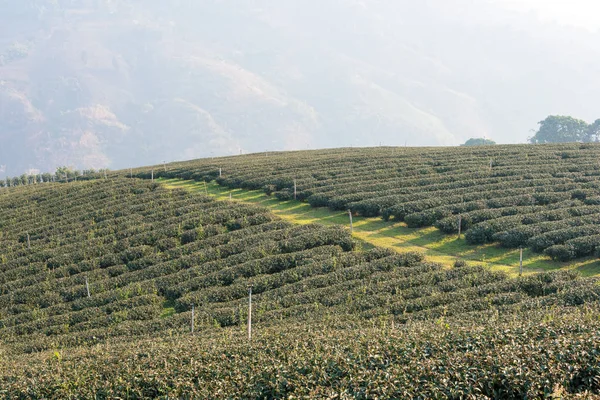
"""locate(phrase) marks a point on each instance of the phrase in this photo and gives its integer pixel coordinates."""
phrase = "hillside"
(146, 253)
(98, 280)
(544, 197)
(83, 82)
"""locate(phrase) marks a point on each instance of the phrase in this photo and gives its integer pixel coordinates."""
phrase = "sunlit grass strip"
(437, 246)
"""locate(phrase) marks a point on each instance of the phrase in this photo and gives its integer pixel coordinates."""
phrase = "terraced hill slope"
(544, 197)
(98, 280)
(375, 232)
(144, 253)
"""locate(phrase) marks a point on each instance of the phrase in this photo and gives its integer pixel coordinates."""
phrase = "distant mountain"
(109, 83)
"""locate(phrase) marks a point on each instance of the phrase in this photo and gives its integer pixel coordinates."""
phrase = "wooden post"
(193, 309)
(295, 189)
(459, 225)
(520, 261)
(220, 172)
(351, 226)
(87, 286)
(249, 312)
(152, 175)
(28, 242)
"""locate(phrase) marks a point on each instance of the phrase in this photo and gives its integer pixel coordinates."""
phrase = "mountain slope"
(100, 282)
(541, 197)
(121, 83)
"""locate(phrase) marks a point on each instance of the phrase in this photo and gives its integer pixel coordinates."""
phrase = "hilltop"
(541, 197)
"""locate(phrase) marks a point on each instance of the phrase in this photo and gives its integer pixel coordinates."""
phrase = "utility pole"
(249, 312)
(351, 226)
(193, 309)
(521, 261)
(295, 189)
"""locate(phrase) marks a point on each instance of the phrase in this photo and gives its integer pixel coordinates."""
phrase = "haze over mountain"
(115, 83)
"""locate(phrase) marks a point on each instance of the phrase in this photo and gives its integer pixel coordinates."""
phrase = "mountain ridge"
(114, 84)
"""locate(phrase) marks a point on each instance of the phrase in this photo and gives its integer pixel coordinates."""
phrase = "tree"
(478, 142)
(64, 171)
(561, 129)
(594, 131)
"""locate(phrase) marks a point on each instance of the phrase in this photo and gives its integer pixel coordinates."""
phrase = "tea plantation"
(98, 280)
(543, 197)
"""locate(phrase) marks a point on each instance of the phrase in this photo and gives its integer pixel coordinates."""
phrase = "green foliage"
(478, 142)
(504, 193)
(594, 131)
(549, 353)
(328, 319)
(561, 129)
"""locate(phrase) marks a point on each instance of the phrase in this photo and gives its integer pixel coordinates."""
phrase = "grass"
(437, 246)
(168, 309)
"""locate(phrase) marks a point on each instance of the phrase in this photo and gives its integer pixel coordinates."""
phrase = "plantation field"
(542, 197)
(370, 231)
(98, 280)
(544, 354)
(147, 255)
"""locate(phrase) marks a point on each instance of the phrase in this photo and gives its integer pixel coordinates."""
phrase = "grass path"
(435, 245)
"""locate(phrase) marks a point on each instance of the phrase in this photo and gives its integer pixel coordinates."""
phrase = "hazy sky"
(582, 13)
